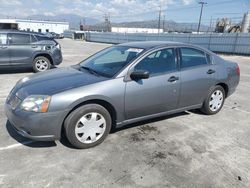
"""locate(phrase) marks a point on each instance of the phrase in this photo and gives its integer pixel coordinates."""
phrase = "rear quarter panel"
(226, 73)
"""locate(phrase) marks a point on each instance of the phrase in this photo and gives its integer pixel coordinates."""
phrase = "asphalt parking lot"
(183, 150)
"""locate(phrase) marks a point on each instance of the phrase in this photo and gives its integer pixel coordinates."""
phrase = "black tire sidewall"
(74, 117)
(40, 58)
(206, 109)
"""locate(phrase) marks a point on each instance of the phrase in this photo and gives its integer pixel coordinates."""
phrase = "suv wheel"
(214, 101)
(41, 64)
(87, 126)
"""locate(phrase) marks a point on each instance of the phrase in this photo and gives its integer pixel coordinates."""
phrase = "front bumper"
(35, 126)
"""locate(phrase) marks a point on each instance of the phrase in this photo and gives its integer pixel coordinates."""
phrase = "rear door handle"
(34, 46)
(173, 79)
(210, 71)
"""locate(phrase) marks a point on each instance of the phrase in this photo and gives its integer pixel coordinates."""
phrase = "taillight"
(58, 46)
(238, 70)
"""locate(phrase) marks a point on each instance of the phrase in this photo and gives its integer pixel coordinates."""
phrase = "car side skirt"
(129, 121)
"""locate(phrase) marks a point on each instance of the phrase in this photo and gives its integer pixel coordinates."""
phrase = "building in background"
(34, 25)
(135, 30)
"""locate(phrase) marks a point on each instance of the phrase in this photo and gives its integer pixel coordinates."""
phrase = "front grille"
(14, 101)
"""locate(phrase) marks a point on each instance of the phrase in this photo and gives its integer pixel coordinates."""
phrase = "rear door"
(160, 92)
(4, 50)
(197, 76)
(21, 49)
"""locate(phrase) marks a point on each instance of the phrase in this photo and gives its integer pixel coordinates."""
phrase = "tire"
(41, 64)
(87, 126)
(217, 94)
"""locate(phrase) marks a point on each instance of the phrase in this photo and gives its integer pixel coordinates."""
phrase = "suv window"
(192, 57)
(158, 62)
(16, 38)
(41, 38)
(3, 39)
(33, 38)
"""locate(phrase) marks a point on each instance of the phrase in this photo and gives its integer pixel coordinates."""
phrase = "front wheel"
(87, 126)
(41, 64)
(214, 101)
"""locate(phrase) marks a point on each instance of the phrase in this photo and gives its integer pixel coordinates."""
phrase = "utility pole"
(202, 3)
(159, 21)
(211, 21)
(107, 22)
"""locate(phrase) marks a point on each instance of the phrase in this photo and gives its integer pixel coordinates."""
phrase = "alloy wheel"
(42, 65)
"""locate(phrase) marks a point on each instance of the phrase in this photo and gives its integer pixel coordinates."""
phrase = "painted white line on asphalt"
(238, 109)
(244, 111)
(16, 145)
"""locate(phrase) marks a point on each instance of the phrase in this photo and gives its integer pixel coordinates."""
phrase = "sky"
(128, 10)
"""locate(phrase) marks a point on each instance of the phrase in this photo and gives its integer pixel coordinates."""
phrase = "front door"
(158, 93)
(4, 50)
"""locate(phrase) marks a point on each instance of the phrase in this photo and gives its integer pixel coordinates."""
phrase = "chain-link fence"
(234, 43)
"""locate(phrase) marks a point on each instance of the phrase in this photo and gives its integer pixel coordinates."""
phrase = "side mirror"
(139, 74)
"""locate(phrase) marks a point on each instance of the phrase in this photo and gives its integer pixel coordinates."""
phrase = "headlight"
(36, 103)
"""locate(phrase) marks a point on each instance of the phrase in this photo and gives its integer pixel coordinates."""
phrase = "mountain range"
(95, 24)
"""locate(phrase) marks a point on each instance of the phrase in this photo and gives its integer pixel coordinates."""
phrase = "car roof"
(151, 44)
(19, 31)
(147, 45)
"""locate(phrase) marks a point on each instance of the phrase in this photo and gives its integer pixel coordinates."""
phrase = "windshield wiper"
(92, 71)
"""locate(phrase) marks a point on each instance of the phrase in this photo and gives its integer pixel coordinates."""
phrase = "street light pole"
(202, 4)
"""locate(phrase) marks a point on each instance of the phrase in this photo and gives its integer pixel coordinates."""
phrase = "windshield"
(110, 61)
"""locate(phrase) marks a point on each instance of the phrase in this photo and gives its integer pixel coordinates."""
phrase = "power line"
(174, 9)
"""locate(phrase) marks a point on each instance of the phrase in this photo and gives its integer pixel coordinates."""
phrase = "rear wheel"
(41, 64)
(87, 126)
(214, 101)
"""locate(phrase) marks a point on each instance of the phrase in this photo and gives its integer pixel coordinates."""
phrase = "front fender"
(111, 91)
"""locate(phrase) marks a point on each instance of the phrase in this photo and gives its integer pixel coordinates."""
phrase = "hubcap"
(216, 100)
(42, 65)
(90, 128)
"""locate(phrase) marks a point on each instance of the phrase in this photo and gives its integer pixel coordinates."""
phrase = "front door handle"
(173, 79)
(210, 71)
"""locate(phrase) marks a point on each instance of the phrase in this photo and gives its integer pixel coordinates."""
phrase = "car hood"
(55, 81)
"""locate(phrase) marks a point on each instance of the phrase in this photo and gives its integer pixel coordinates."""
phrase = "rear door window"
(3, 39)
(18, 39)
(191, 57)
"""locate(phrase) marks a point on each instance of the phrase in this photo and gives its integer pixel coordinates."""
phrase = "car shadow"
(15, 70)
(153, 120)
(64, 141)
(27, 142)
(198, 112)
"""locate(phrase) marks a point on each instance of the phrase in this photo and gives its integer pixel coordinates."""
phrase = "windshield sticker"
(137, 50)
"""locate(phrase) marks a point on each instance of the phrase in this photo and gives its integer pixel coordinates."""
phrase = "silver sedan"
(119, 85)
